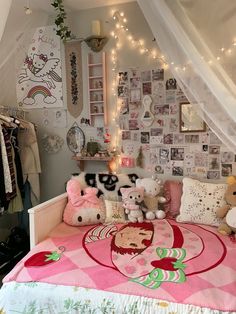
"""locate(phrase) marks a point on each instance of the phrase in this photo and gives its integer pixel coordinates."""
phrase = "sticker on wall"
(74, 78)
(147, 116)
(60, 119)
(52, 143)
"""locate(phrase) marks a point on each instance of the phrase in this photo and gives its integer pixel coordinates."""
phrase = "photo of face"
(133, 238)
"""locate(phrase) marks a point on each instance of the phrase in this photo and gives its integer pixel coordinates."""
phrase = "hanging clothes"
(6, 169)
(30, 160)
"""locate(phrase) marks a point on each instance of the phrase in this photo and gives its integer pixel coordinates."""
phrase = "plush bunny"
(151, 197)
(132, 199)
(85, 209)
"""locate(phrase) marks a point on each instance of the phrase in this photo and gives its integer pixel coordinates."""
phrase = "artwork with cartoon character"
(39, 81)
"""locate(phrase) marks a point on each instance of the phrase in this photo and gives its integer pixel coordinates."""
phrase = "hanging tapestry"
(39, 80)
(74, 78)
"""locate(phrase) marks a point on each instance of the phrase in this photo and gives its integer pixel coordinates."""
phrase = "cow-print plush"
(108, 185)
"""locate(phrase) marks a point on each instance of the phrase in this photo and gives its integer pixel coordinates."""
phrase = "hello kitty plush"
(132, 202)
(85, 209)
(152, 198)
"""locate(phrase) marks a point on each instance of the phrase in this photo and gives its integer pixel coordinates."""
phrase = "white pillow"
(115, 212)
(200, 201)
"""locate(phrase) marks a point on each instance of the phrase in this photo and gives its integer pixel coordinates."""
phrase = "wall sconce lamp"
(96, 42)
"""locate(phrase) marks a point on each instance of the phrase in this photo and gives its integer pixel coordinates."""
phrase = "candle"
(96, 28)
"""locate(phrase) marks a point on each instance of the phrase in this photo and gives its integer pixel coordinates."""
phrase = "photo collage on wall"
(164, 149)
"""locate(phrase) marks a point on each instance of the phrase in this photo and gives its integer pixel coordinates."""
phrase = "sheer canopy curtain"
(18, 29)
(198, 40)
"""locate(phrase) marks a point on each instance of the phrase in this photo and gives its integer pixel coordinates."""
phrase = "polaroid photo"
(135, 136)
(171, 84)
(177, 171)
(201, 172)
(214, 162)
(153, 156)
(180, 96)
(189, 160)
(147, 88)
(201, 160)
(226, 170)
(159, 169)
(177, 153)
(214, 139)
(170, 96)
(173, 124)
(145, 137)
(123, 122)
(134, 115)
(213, 175)
(214, 149)
(134, 72)
(135, 95)
(168, 139)
(156, 131)
(174, 108)
(191, 138)
(158, 75)
(135, 82)
(158, 110)
(146, 76)
(227, 157)
(204, 138)
(133, 125)
(126, 135)
(166, 110)
(156, 140)
(123, 78)
(122, 91)
(178, 138)
(136, 105)
(123, 103)
(205, 148)
(160, 123)
(164, 155)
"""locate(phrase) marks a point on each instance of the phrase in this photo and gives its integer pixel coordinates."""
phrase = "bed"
(94, 276)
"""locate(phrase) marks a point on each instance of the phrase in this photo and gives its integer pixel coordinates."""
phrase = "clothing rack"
(14, 111)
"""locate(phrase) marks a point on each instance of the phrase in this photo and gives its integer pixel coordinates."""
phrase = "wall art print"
(39, 80)
(74, 78)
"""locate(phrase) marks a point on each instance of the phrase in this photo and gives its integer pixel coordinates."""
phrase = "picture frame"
(189, 120)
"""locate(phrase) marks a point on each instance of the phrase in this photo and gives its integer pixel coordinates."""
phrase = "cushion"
(115, 212)
(172, 192)
(200, 200)
(108, 184)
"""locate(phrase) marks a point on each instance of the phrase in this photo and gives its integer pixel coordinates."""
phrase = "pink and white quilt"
(162, 259)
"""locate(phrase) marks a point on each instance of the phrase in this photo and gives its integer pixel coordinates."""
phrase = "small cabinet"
(97, 88)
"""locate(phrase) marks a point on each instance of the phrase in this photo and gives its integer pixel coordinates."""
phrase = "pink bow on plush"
(74, 193)
(90, 196)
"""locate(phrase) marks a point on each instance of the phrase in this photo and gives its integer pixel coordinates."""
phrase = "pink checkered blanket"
(162, 259)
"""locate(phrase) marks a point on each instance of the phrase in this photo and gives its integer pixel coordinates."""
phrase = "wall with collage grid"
(165, 150)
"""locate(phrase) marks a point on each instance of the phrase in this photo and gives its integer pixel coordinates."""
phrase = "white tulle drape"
(4, 11)
(18, 32)
(194, 37)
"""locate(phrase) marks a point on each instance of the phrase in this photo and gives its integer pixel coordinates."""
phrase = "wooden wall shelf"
(80, 161)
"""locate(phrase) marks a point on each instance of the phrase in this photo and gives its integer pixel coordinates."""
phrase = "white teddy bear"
(152, 189)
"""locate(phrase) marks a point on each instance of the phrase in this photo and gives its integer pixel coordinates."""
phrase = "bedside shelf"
(80, 161)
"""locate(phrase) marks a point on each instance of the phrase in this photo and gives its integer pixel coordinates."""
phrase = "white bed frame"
(44, 217)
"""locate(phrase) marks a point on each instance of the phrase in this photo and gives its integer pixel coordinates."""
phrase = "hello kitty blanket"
(182, 263)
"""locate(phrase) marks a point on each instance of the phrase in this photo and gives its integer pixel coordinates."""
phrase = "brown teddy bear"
(228, 212)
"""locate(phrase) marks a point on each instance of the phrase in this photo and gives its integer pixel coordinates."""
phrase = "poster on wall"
(39, 80)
